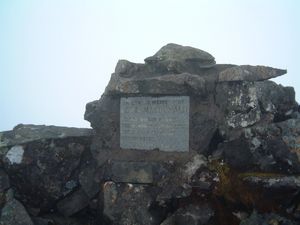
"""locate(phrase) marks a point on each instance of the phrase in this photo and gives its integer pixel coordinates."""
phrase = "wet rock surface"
(242, 165)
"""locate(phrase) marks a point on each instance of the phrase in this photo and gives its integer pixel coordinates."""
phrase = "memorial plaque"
(148, 123)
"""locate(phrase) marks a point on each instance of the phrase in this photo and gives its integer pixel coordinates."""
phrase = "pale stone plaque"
(148, 123)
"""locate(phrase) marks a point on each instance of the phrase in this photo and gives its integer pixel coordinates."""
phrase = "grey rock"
(249, 73)
(14, 213)
(126, 67)
(24, 133)
(182, 83)
(247, 103)
(177, 58)
(240, 104)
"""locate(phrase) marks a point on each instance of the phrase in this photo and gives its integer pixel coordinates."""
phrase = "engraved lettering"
(148, 123)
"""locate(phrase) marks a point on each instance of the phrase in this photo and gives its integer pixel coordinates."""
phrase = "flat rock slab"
(250, 73)
(26, 133)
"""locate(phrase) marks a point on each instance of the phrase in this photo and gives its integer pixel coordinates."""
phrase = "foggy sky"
(57, 55)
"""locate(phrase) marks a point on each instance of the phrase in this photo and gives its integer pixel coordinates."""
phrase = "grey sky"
(55, 56)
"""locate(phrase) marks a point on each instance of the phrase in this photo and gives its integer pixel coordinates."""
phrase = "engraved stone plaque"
(148, 123)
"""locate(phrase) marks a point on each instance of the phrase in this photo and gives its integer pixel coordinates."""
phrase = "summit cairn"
(178, 139)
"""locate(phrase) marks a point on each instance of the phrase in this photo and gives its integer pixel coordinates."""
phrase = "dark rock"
(277, 191)
(4, 181)
(262, 148)
(238, 157)
(44, 167)
(57, 219)
(104, 116)
(73, 203)
(89, 178)
(266, 219)
(290, 131)
(276, 100)
(42, 221)
(192, 215)
(128, 204)
(250, 73)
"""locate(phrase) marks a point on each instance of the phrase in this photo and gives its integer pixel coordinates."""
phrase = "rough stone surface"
(14, 213)
(266, 219)
(177, 58)
(266, 148)
(46, 169)
(191, 214)
(132, 172)
(250, 73)
(4, 181)
(73, 203)
(127, 204)
(24, 133)
(241, 162)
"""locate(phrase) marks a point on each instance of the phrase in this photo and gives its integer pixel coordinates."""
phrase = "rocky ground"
(242, 167)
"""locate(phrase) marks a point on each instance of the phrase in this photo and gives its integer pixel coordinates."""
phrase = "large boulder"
(44, 162)
(177, 58)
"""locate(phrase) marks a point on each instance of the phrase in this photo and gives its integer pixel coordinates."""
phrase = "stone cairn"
(179, 140)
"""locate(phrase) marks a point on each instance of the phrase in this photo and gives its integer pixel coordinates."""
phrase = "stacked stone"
(176, 140)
